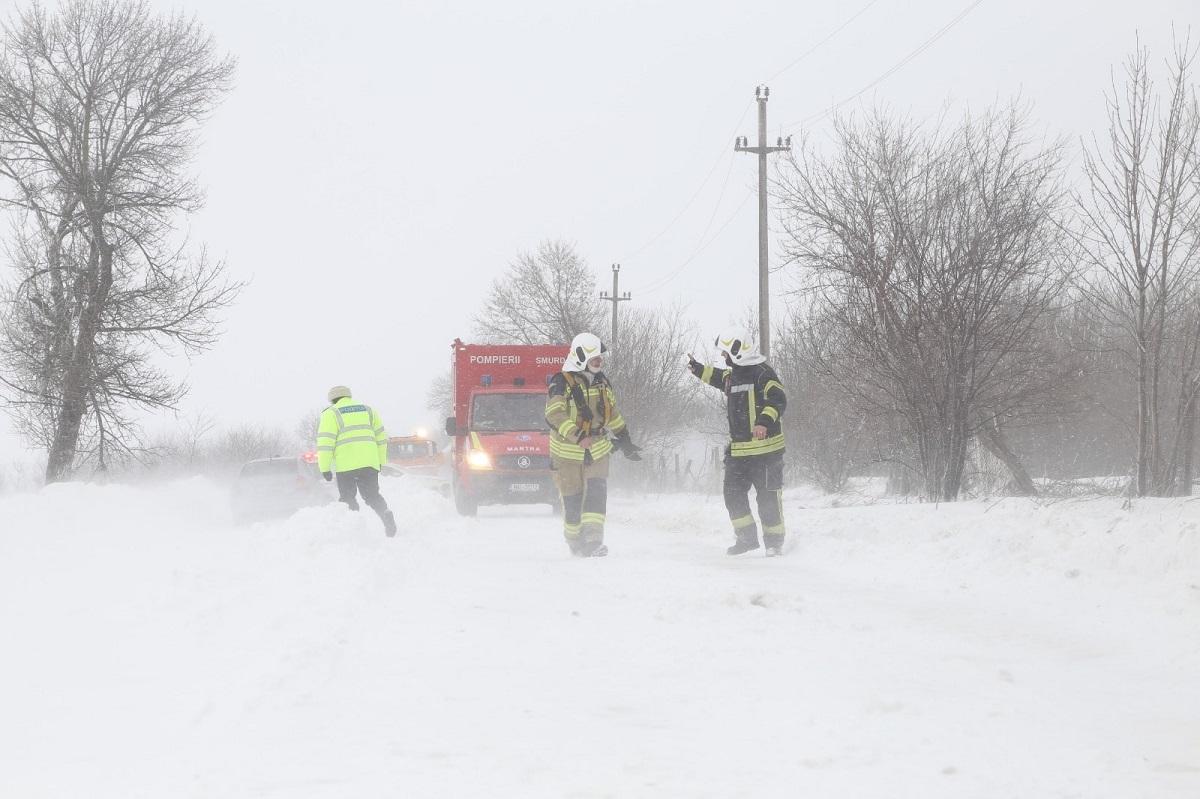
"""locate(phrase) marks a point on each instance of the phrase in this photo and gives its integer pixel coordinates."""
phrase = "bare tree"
(658, 398)
(439, 397)
(1089, 429)
(935, 254)
(195, 431)
(305, 430)
(545, 297)
(198, 448)
(1141, 233)
(828, 429)
(247, 442)
(100, 106)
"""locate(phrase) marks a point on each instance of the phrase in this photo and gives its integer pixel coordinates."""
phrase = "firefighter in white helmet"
(755, 401)
(581, 410)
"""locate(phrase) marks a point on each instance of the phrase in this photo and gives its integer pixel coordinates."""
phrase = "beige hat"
(337, 392)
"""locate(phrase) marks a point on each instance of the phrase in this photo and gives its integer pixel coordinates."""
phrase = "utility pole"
(614, 299)
(741, 145)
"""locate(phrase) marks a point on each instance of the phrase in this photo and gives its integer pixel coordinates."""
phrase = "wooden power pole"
(616, 298)
(741, 145)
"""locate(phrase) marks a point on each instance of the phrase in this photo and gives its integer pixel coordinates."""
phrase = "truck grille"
(523, 462)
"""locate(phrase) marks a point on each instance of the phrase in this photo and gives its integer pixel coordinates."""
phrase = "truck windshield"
(508, 412)
(402, 450)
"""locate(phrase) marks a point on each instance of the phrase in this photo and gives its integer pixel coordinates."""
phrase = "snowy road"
(968, 650)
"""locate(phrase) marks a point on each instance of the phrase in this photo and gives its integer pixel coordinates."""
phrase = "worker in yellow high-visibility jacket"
(351, 442)
(581, 410)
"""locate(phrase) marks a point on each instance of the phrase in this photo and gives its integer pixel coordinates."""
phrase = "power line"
(895, 68)
(662, 283)
(720, 198)
(741, 117)
(816, 46)
(696, 194)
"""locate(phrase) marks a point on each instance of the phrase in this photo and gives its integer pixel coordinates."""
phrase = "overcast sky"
(379, 164)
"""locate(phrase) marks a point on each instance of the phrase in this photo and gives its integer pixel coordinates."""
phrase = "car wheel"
(465, 505)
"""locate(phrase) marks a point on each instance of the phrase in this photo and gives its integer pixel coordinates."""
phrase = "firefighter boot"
(747, 540)
(774, 545)
(593, 549)
(592, 534)
(592, 541)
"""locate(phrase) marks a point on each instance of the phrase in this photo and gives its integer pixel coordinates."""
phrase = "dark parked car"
(273, 488)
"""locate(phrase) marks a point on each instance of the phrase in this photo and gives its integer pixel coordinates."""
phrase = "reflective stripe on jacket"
(350, 436)
(567, 392)
(754, 396)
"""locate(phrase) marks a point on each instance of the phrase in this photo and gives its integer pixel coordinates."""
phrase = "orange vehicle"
(416, 453)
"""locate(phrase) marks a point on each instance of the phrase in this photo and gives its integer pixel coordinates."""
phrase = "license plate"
(526, 488)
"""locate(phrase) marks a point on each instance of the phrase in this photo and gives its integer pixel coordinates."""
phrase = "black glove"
(625, 444)
(694, 366)
(328, 476)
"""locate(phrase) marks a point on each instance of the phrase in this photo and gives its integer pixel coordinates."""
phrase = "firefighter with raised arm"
(581, 410)
(755, 402)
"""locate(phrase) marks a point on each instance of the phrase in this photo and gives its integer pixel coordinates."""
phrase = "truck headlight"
(478, 459)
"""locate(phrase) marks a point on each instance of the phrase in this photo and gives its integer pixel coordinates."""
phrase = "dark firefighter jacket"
(754, 396)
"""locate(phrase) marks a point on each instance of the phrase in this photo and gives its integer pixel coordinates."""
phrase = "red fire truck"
(501, 442)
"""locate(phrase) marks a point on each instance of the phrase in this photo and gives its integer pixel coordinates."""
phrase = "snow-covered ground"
(1002, 649)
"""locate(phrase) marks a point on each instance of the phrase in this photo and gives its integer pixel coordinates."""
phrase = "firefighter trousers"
(584, 491)
(763, 473)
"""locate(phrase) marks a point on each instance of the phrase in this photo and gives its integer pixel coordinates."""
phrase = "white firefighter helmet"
(584, 347)
(740, 349)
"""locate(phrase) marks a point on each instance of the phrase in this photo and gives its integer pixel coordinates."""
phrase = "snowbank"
(998, 649)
